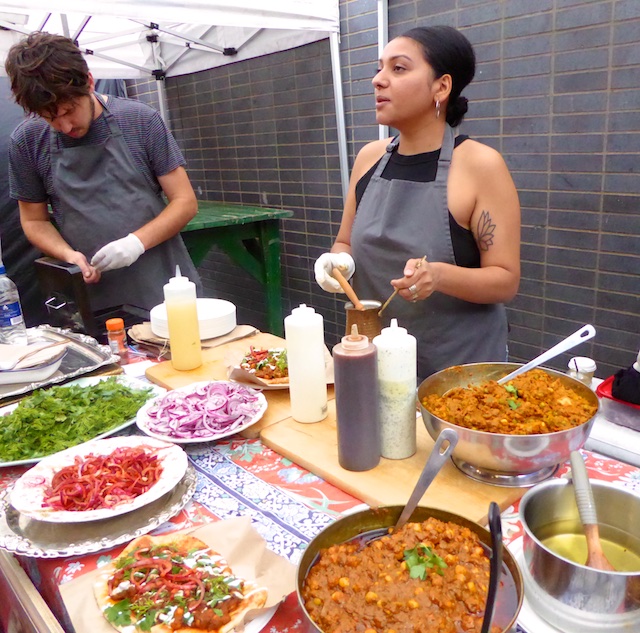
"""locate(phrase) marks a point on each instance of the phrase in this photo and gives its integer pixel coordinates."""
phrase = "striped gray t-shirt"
(153, 148)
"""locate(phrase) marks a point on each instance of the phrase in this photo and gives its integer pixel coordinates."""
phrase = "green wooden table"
(250, 236)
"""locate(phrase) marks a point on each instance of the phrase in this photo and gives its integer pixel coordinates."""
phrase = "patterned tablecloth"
(288, 506)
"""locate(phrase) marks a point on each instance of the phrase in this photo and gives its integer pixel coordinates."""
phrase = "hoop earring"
(437, 108)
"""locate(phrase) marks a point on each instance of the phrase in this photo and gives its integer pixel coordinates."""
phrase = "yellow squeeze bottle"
(182, 319)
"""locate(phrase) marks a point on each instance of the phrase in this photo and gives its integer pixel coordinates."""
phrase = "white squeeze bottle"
(182, 319)
(304, 333)
(397, 381)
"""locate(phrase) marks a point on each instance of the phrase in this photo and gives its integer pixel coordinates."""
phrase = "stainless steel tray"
(38, 539)
(84, 354)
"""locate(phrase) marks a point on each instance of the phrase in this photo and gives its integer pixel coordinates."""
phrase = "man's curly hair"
(46, 71)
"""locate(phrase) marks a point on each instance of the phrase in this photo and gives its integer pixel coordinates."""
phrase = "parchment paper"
(236, 539)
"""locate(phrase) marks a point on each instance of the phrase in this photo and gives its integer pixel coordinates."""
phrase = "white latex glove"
(118, 254)
(326, 263)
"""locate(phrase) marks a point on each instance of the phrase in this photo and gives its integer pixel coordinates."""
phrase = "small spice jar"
(582, 368)
(116, 336)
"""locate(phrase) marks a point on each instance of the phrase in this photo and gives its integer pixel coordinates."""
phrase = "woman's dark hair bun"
(456, 110)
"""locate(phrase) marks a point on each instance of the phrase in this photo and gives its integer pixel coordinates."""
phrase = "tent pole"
(383, 38)
(342, 134)
(162, 98)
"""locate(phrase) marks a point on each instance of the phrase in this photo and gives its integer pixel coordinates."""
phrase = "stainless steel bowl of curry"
(354, 576)
(542, 416)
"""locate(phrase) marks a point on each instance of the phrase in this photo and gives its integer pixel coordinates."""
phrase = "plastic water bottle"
(12, 327)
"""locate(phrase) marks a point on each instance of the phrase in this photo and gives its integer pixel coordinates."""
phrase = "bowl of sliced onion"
(202, 412)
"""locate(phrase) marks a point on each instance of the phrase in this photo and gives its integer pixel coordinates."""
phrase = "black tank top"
(422, 168)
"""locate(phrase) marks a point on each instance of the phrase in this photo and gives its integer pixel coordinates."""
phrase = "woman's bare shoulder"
(369, 155)
(478, 156)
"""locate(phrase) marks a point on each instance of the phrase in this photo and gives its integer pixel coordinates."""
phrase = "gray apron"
(397, 220)
(103, 197)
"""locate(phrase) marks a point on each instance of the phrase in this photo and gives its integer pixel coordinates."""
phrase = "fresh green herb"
(281, 362)
(422, 558)
(512, 403)
(51, 420)
(512, 390)
(119, 614)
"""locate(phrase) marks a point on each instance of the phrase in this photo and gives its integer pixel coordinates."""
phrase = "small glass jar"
(116, 336)
(582, 368)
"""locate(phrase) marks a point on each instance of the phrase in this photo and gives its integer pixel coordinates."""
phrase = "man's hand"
(118, 254)
(324, 266)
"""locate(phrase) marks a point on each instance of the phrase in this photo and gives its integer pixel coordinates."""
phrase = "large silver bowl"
(497, 458)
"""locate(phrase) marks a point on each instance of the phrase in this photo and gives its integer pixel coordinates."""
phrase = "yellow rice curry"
(533, 403)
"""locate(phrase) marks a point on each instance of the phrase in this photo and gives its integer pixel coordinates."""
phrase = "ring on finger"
(413, 289)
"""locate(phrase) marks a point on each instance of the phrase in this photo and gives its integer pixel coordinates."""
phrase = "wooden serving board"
(215, 363)
(315, 447)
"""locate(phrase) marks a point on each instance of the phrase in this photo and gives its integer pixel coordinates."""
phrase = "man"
(102, 164)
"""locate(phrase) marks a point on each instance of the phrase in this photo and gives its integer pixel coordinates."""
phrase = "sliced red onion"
(209, 410)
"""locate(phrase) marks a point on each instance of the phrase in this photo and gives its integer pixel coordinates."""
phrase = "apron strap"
(446, 152)
(386, 156)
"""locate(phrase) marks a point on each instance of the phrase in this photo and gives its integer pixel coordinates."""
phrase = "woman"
(430, 193)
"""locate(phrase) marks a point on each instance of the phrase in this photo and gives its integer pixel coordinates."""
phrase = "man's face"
(73, 118)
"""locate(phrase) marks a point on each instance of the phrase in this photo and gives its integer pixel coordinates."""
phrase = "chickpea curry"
(431, 576)
(531, 404)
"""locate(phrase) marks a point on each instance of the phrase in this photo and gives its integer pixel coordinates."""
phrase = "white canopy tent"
(133, 39)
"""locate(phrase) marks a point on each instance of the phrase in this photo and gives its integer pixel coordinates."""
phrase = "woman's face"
(404, 84)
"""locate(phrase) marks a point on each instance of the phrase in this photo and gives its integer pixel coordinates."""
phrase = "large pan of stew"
(357, 575)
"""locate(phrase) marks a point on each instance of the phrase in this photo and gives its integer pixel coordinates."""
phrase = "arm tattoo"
(485, 231)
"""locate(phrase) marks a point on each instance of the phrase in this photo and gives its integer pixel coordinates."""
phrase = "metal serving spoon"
(442, 450)
(583, 334)
(495, 569)
(437, 459)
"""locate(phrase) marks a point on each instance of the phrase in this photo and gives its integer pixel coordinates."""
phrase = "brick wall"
(555, 92)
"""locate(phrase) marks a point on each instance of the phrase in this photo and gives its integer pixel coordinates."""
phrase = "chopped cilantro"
(119, 614)
(512, 403)
(420, 559)
(50, 420)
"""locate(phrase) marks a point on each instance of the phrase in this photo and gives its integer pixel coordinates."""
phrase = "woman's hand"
(419, 280)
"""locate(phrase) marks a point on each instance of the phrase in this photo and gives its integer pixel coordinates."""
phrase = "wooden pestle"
(349, 291)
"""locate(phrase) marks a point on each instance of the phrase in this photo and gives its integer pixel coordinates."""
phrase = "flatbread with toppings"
(174, 584)
(270, 365)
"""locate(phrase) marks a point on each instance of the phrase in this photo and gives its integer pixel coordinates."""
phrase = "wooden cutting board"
(215, 363)
(314, 446)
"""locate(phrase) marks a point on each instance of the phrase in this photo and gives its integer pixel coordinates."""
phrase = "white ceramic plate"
(142, 419)
(129, 381)
(215, 318)
(28, 492)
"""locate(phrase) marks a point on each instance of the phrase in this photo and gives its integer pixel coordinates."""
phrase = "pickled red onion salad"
(209, 410)
(93, 482)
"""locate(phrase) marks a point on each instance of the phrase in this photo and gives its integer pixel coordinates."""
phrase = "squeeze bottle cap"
(393, 329)
(636, 365)
(355, 340)
(303, 310)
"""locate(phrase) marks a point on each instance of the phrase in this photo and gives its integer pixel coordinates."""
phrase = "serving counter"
(285, 476)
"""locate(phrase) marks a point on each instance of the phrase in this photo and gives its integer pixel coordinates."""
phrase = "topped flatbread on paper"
(270, 365)
(174, 584)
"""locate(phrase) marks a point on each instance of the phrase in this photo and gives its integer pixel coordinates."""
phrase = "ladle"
(435, 462)
(587, 508)
(495, 568)
(348, 290)
(583, 334)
